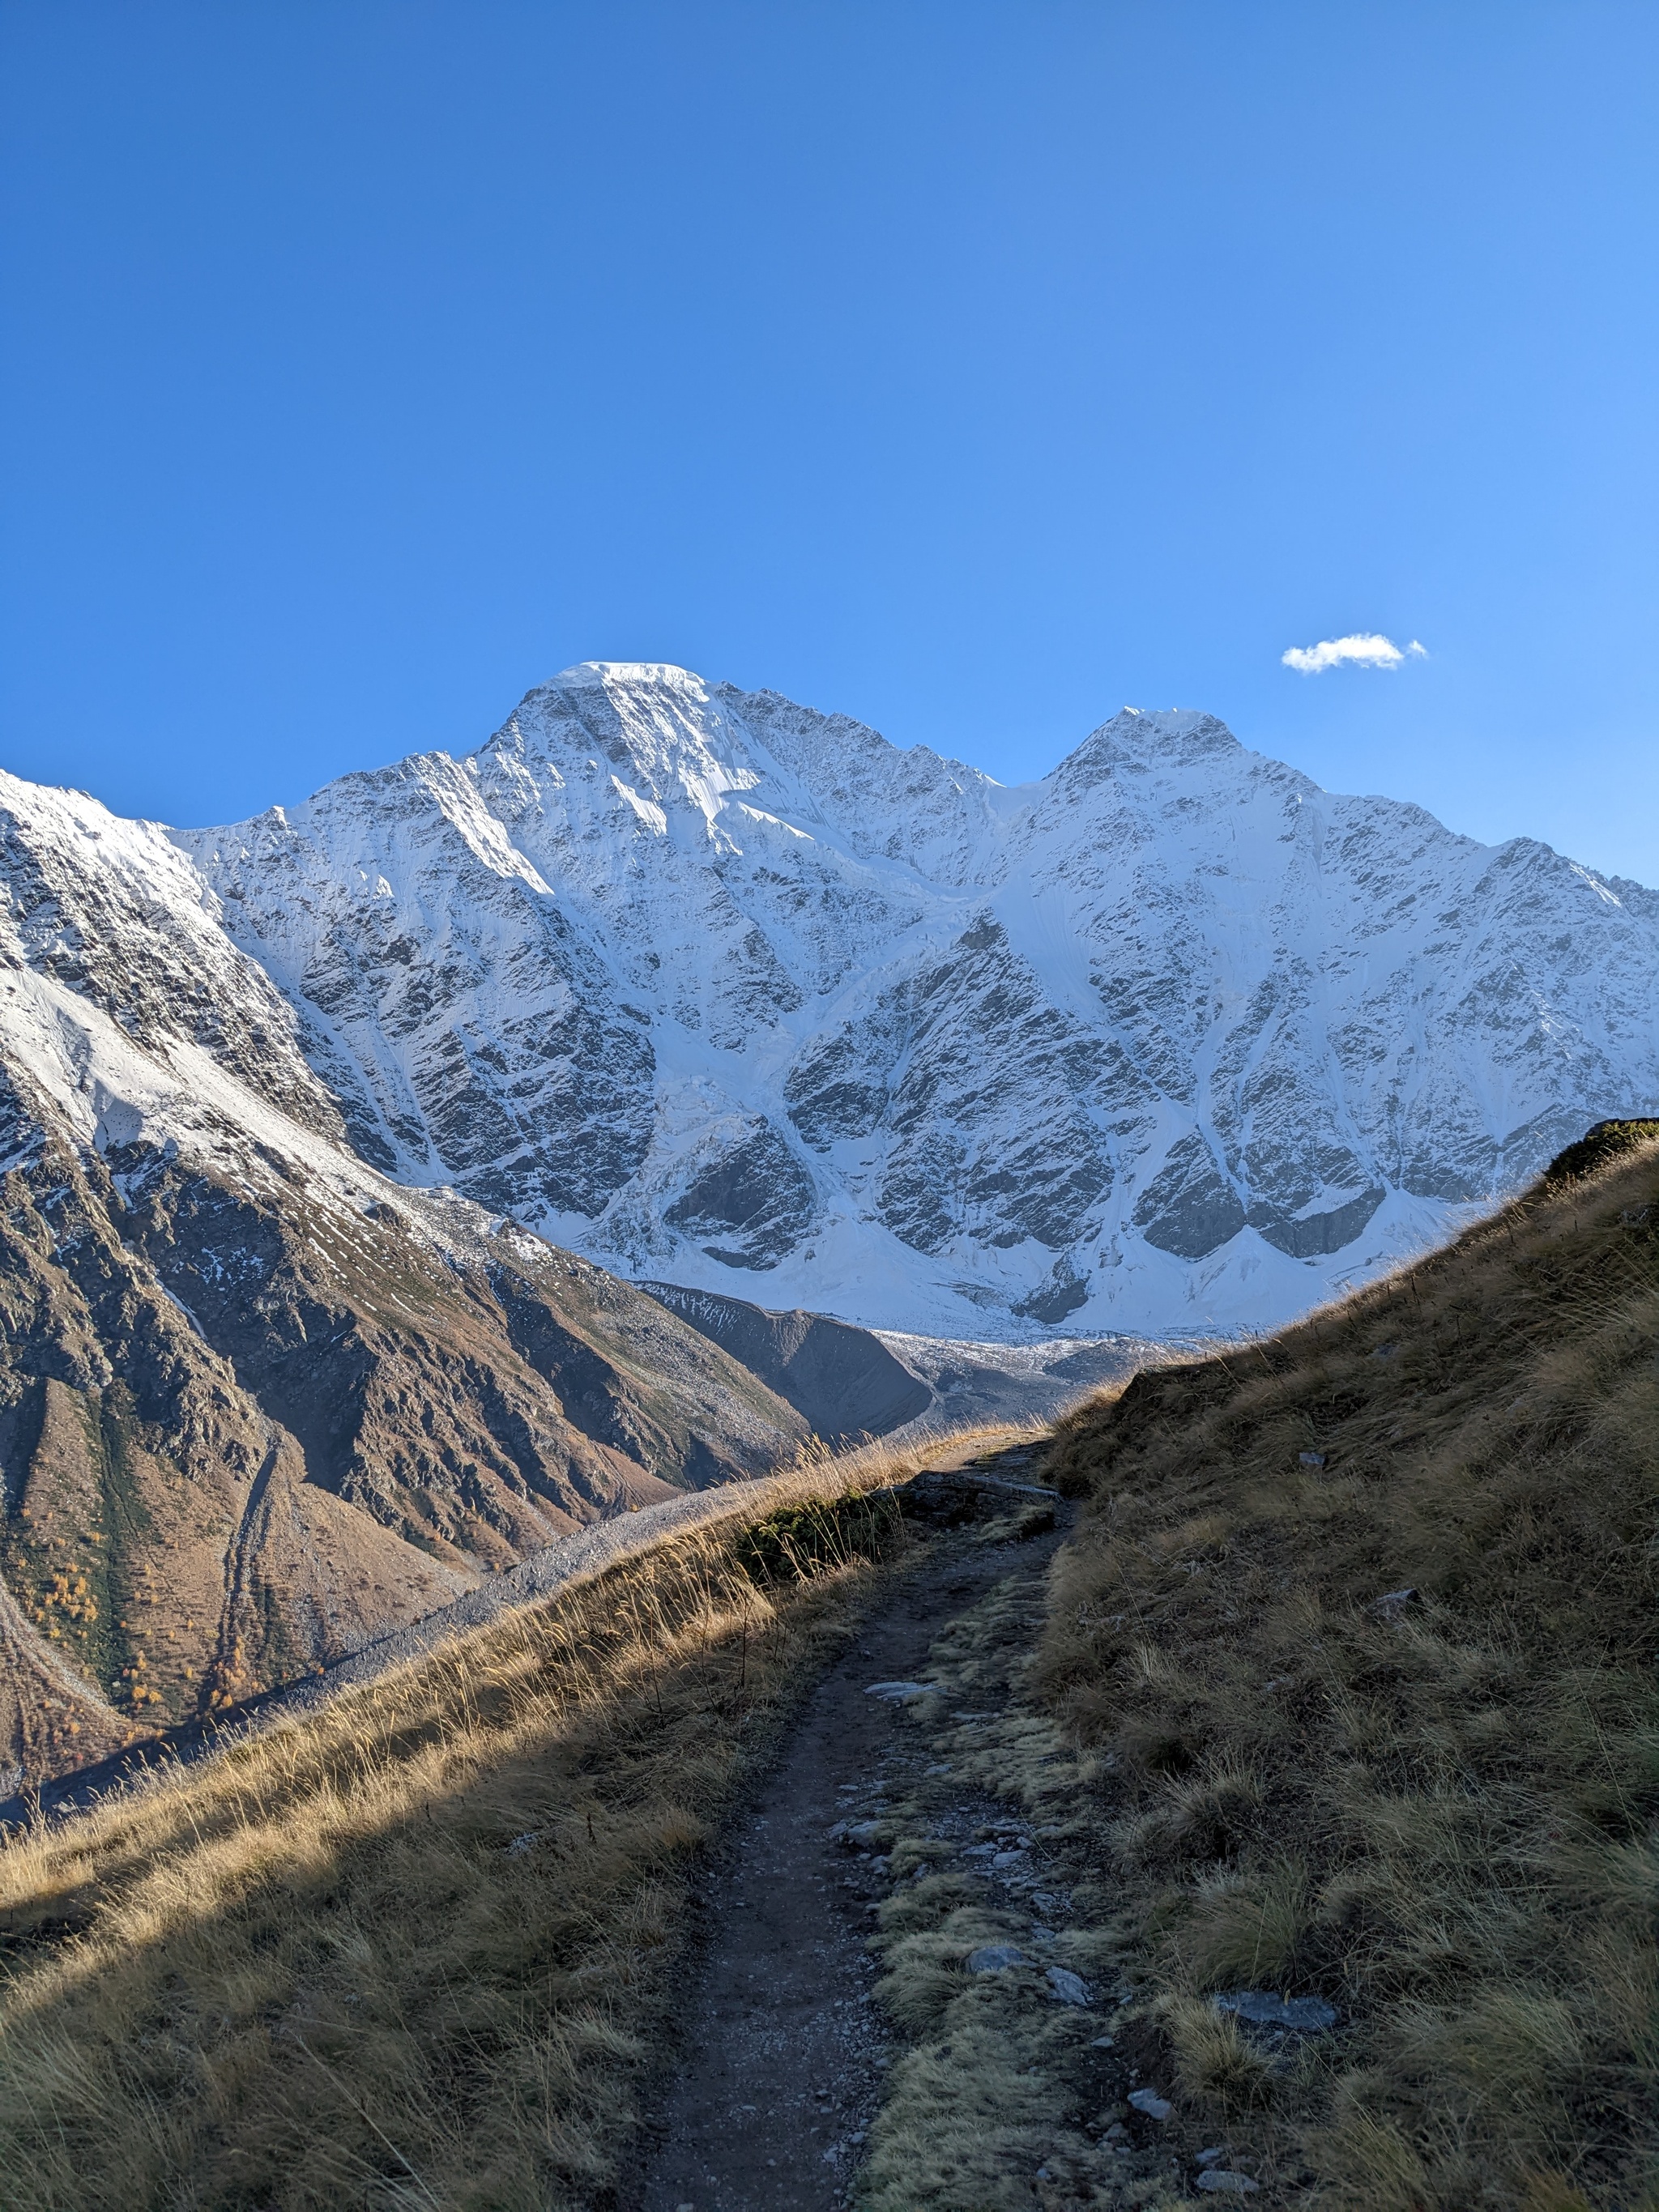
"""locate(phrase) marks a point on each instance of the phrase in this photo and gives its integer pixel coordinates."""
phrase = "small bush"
(798, 1541)
(1216, 2064)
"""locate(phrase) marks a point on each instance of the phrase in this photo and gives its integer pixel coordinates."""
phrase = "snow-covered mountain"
(720, 990)
(733, 998)
(260, 1405)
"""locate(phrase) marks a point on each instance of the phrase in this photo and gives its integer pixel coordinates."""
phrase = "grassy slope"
(1438, 1813)
(415, 1951)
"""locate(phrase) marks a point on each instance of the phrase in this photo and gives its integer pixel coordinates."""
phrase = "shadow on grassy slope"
(1359, 1631)
(412, 1951)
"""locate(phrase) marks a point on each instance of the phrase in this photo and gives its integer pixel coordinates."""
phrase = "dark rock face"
(1057, 1299)
(842, 1380)
(755, 1197)
(1190, 1208)
(1306, 1236)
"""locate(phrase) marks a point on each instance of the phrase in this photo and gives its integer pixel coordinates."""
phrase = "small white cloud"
(1362, 650)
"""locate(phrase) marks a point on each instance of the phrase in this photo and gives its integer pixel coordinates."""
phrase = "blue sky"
(970, 368)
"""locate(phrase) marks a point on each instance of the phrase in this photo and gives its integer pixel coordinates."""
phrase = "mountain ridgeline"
(711, 988)
(334, 1145)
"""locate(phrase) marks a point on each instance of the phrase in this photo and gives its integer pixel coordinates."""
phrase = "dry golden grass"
(414, 1951)
(1440, 1812)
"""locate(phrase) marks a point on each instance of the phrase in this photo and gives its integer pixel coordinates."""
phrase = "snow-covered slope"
(720, 990)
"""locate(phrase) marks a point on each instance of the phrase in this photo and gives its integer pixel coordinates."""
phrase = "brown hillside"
(248, 1424)
(418, 1949)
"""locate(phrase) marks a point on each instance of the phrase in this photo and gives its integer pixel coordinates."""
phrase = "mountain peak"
(1177, 719)
(600, 675)
(1189, 730)
(701, 981)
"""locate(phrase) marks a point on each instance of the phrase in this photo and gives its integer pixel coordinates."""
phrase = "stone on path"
(1262, 2009)
(1068, 1988)
(1149, 2102)
(996, 1958)
(895, 1693)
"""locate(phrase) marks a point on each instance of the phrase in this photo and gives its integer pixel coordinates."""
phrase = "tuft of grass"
(1242, 1929)
(416, 1950)
(1357, 1640)
(1216, 2065)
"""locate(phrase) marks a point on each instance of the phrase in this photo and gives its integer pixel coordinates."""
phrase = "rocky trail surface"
(782, 2052)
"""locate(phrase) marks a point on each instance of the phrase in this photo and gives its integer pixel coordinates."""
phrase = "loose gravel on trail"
(782, 2052)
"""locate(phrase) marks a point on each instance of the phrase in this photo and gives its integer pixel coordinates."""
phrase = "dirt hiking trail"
(781, 2051)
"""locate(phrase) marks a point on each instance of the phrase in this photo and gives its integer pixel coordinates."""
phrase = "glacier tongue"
(723, 991)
